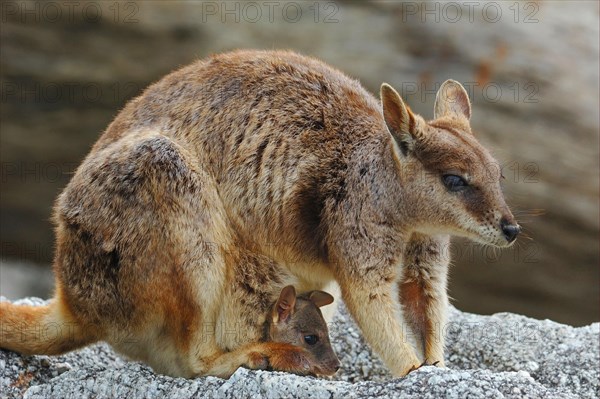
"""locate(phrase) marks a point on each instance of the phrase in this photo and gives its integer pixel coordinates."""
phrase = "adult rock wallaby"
(246, 172)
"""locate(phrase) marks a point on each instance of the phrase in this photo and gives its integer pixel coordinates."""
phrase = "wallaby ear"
(398, 117)
(452, 99)
(285, 304)
(320, 298)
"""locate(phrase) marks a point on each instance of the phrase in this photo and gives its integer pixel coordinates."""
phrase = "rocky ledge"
(500, 356)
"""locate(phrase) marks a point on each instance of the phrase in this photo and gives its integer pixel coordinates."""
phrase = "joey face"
(452, 181)
(297, 320)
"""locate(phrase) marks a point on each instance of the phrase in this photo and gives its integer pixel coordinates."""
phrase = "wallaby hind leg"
(41, 330)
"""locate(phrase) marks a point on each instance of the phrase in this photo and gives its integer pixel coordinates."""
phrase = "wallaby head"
(452, 180)
(297, 320)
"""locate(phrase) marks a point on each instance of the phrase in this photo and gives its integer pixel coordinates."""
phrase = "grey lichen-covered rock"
(504, 355)
(535, 106)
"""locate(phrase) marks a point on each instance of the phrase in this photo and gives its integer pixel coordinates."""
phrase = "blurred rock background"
(531, 69)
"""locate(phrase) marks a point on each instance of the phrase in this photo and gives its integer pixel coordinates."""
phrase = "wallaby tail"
(40, 330)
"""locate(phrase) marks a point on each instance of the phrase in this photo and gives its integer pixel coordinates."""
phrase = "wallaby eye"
(311, 339)
(454, 183)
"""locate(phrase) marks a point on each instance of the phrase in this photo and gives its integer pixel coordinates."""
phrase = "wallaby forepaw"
(257, 361)
(293, 361)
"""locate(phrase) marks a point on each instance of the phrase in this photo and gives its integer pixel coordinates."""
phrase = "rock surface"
(500, 356)
(532, 74)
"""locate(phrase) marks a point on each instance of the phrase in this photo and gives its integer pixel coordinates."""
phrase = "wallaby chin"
(325, 372)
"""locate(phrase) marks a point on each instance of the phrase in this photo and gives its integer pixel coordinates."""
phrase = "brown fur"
(52, 329)
(248, 171)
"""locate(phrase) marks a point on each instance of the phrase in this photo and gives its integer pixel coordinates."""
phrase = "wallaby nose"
(335, 365)
(511, 231)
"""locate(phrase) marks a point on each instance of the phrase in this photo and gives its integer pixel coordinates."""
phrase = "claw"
(413, 368)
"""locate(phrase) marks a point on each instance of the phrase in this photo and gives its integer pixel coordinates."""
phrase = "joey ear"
(285, 304)
(320, 298)
(452, 99)
(398, 117)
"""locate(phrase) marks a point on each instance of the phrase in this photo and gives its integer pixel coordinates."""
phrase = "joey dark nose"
(334, 365)
(511, 231)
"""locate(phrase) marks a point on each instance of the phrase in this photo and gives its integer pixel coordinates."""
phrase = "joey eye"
(311, 339)
(454, 183)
